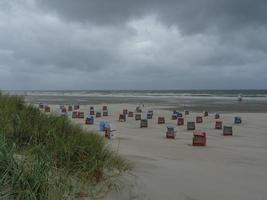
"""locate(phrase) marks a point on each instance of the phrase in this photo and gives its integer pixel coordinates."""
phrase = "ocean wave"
(216, 94)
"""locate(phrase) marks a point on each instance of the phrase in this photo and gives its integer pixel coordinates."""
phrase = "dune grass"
(48, 157)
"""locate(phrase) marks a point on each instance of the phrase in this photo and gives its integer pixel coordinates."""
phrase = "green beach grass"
(44, 156)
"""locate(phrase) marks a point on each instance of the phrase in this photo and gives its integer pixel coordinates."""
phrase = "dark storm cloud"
(190, 15)
(183, 44)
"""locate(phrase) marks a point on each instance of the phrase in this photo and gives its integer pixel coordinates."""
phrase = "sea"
(196, 100)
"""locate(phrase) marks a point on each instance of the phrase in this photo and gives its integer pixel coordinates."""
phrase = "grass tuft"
(48, 157)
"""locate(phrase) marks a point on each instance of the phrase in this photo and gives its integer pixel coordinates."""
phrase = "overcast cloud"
(126, 44)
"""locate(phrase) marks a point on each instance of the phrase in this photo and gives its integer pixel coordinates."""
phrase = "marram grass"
(48, 157)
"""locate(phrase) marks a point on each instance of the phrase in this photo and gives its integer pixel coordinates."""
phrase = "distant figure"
(239, 98)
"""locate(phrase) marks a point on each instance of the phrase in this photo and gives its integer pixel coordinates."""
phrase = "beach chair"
(186, 112)
(237, 120)
(179, 114)
(47, 109)
(137, 117)
(227, 130)
(191, 126)
(122, 118)
(130, 114)
(218, 125)
(174, 116)
(81, 115)
(92, 112)
(217, 116)
(75, 114)
(143, 123)
(149, 115)
(98, 114)
(171, 132)
(76, 107)
(199, 119)
(63, 110)
(199, 138)
(161, 120)
(180, 121)
(104, 108)
(70, 108)
(150, 112)
(89, 120)
(125, 111)
(105, 113)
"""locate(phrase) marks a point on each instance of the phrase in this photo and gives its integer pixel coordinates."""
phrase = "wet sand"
(223, 105)
(232, 168)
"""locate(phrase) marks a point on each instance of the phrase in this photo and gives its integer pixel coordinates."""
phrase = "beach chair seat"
(98, 114)
(74, 114)
(137, 117)
(161, 120)
(70, 108)
(130, 114)
(81, 115)
(125, 111)
(104, 108)
(149, 116)
(186, 112)
(76, 107)
(105, 113)
(180, 121)
(199, 119)
(227, 130)
(174, 117)
(237, 120)
(218, 125)
(89, 120)
(171, 132)
(92, 112)
(122, 118)
(143, 123)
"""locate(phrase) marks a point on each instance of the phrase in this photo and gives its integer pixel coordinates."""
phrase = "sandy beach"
(232, 167)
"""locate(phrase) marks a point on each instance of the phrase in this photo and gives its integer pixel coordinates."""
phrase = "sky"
(133, 44)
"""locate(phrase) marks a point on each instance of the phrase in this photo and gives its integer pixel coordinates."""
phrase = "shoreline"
(193, 104)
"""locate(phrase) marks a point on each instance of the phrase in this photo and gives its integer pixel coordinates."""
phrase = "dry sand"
(232, 168)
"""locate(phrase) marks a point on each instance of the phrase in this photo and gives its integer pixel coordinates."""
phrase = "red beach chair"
(199, 138)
